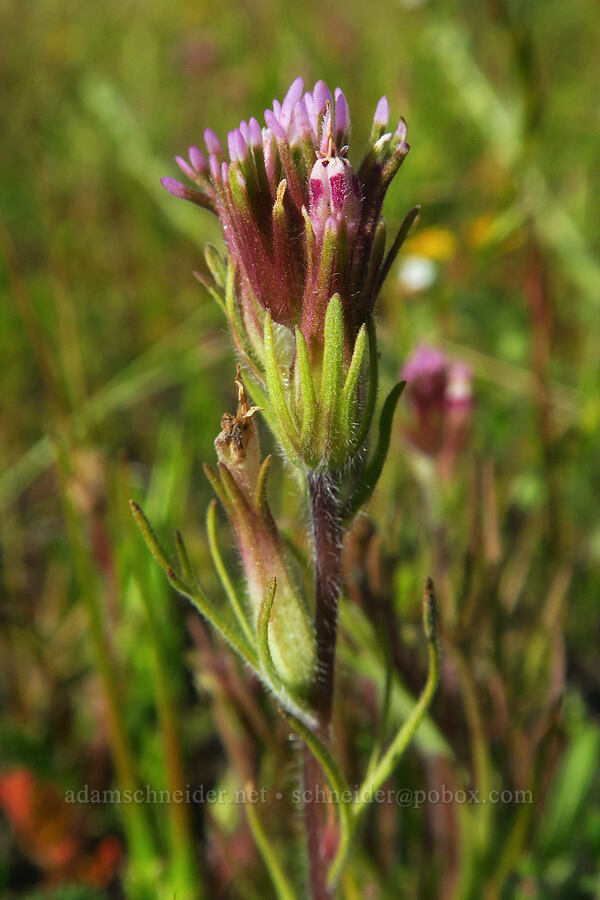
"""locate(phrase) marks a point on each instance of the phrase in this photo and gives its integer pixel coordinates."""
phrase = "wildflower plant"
(305, 259)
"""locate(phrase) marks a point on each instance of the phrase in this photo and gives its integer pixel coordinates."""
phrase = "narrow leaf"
(149, 536)
(200, 600)
(409, 220)
(348, 401)
(184, 560)
(260, 500)
(217, 559)
(372, 386)
(283, 889)
(262, 632)
(370, 476)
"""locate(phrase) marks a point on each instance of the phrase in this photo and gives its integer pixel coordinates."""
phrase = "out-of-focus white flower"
(417, 273)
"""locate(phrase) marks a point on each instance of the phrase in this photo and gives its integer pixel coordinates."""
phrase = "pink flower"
(441, 397)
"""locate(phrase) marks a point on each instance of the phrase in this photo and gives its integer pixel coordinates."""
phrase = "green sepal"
(217, 264)
(332, 374)
(307, 392)
(373, 384)
(212, 289)
(287, 431)
(348, 402)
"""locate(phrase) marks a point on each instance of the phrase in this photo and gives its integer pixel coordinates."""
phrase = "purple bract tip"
(185, 167)
(213, 164)
(245, 130)
(274, 126)
(198, 160)
(255, 133)
(290, 100)
(382, 113)
(213, 144)
(241, 147)
(301, 120)
(174, 187)
(231, 146)
(401, 130)
(322, 96)
(342, 113)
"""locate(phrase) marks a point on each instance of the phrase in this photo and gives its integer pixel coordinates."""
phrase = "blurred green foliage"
(116, 371)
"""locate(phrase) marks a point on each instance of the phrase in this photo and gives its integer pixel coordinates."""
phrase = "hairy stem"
(327, 534)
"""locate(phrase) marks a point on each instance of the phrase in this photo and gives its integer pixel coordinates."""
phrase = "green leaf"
(200, 600)
(348, 402)
(370, 476)
(149, 536)
(217, 559)
(288, 432)
(372, 387)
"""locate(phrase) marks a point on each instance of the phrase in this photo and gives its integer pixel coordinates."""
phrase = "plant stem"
(313, 823)
(327, 534)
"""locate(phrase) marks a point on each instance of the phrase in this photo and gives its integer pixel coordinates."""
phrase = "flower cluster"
(303, 230)
(440, 394)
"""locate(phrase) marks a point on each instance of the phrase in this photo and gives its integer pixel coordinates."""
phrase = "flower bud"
(441, 397)
(241, 486)
(334, 191)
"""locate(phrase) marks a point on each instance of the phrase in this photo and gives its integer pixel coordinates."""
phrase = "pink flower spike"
(224, 171)
(198, 160)
(213, 144)
(382, 113)
(174, 187)
(342, 113)
(274, 126)
(185, 167)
